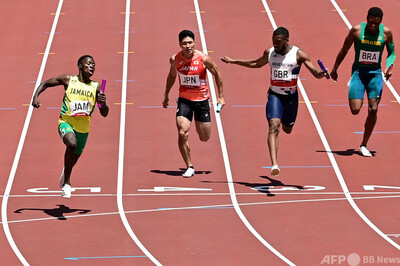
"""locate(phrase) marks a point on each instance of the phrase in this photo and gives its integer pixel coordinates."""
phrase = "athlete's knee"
(71, 145)
(274, 130)
(183, 135)
(287, 130)
(373, 110)
(355, 110)
(204, 138)
(70, 142)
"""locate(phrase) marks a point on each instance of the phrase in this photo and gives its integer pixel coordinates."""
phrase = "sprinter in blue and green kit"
(369, 39)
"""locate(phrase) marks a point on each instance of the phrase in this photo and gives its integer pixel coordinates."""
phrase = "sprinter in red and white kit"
(191, 66)
(285, 61)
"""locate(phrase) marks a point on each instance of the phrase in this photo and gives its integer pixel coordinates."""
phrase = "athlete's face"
(279, 42)
(187, 46)
(87, 66)
(373, 24)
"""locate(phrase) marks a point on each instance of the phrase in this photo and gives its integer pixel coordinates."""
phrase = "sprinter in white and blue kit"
(285, 61)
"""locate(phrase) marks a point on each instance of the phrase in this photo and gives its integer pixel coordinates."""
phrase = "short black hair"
(375, 12)
(281, 31)
(83, 57)
(185, 33)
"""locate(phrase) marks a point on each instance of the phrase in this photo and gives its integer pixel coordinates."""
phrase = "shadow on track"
(55, 212)
(348, 152)
(262, 187)
(179, 173)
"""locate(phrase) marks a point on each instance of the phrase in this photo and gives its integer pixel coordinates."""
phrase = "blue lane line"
(248, 105)
(380, 132)
(302, 166)
(330, 105)
(156, 107)
(120, 80)
(109, 257)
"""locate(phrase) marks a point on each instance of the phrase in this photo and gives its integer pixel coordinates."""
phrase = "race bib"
(368, 57)
(281, 74)
(190, 80)
(80, 108)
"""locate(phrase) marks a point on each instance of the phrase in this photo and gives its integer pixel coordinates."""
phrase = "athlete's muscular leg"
(355, 105)
(273, 133)
(204, 130)
(183, 125)
(70, 158)
(370, 122)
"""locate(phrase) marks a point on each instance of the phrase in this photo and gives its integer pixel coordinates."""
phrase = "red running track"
(194, 227)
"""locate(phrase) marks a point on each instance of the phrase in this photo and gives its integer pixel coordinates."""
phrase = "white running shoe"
(66, 191)
(189, 172)
(62, 179)
(364, 151)
(275, 170)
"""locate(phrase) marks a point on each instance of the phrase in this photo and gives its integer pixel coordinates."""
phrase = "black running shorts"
(201, 110)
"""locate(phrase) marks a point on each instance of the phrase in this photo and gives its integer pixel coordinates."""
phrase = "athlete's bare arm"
(251, 63)
(351, 38)
(56, 81)
(212, 67)
(170, 81)
(302, 57)
(388, 35)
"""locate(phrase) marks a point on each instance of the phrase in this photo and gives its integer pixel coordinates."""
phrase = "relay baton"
(219, 107)
(103, 87)
(323, 68)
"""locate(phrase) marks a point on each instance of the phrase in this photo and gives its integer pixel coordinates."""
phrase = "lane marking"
(290, 188)
(108, 257)
(372, 187)
(22, 140)
(121, 152)
(301, 192)
(224, 148)
(204, 207)
(167, 189)
(46, 190)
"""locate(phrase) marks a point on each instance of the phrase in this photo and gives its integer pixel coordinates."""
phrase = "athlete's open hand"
(226, 59)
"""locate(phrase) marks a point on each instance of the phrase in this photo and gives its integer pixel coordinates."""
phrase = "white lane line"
(348, 24)
(339, 175)
(122, 140)
(224, 149)
(22, 140)
(262, 194)
(221, 206)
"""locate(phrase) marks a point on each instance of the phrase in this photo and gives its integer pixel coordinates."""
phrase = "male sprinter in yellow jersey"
(81, 95)
(369, 39)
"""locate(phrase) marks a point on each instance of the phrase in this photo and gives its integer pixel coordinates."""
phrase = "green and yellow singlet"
(369, 48)
(78, 104)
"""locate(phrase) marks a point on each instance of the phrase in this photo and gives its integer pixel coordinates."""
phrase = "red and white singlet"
(284, 71)
(192, 77)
